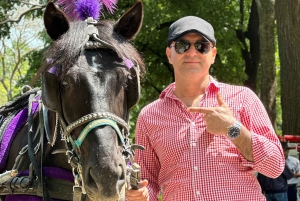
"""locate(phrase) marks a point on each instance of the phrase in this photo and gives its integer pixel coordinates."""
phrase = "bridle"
(20, 185)
(94, 120)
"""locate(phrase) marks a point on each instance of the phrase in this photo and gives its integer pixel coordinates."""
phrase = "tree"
(13, 56)
(237, 36)
(236, 26)
(288, 20)
(33, 9)
(266, 12)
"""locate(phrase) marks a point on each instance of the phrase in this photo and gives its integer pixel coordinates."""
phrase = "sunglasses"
(182, 46)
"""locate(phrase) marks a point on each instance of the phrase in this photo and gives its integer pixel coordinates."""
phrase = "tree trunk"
(288, 28)
(266, 13)
(254, 55)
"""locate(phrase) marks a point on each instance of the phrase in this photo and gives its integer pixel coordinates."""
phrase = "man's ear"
(168, 54)
(214, 55)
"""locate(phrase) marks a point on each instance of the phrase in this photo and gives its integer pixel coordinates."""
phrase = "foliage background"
(227, 17)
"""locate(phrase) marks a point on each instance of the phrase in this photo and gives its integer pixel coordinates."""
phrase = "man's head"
(191, 47)
(286, 148)
(191, 24)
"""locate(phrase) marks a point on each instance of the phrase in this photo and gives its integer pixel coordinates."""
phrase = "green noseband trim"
(98, 123)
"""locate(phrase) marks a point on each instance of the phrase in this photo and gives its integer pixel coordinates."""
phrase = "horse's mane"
(66, 50)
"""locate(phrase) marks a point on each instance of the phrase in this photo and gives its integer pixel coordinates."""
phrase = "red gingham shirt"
(188, 163)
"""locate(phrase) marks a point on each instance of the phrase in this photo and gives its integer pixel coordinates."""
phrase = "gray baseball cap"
(191, 24)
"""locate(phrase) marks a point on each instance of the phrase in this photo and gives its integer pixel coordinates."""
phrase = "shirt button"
(194, 144)
(193, 123)
(198, 192)
(196, 168)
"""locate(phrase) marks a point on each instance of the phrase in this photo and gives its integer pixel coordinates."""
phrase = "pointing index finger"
(220, 99)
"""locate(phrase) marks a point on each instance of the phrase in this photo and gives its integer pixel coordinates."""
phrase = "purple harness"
(13, 127)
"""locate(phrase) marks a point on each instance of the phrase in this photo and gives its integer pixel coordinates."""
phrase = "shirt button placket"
(193, 137)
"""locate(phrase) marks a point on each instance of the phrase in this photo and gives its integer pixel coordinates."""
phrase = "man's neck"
(190, 88)
(190, 92)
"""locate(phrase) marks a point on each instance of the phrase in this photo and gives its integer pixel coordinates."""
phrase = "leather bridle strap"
(94, 116)
(94, 124)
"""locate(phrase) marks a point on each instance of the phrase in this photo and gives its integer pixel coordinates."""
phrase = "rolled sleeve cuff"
(268, 156)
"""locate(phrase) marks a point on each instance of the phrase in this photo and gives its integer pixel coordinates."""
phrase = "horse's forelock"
(66, 50)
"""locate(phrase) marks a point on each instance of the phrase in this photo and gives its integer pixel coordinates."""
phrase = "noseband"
(97, 120)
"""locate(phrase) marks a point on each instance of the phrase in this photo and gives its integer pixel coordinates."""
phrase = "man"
(204, 139)
(276, 189)
(294, 165)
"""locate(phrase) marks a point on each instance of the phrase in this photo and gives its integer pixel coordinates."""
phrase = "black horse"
(89, 84)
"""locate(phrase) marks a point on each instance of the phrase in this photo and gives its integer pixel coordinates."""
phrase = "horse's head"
(92, 78)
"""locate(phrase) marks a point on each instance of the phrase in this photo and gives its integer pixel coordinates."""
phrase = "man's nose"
(192, 50)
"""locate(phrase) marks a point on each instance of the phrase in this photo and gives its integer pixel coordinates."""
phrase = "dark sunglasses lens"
(202, 47)
(181, 47)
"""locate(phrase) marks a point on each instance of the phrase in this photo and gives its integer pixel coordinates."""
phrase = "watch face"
(234, 132)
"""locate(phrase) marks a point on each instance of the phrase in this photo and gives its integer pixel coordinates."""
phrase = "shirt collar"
(213, 85)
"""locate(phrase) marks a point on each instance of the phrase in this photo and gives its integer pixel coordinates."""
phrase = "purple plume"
(69, 7)
(88, 8)
(82, 9)
(111, 5)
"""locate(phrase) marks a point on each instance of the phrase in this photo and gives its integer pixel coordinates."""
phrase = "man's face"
(191, 63)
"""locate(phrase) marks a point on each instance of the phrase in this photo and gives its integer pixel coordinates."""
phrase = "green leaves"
(151, 42)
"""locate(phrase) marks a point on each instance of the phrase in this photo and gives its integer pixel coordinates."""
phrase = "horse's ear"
(50, 92)
(133, 88)
(130, 22)
(56, 22)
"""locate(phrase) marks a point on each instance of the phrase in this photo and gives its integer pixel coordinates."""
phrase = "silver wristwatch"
(234, 131)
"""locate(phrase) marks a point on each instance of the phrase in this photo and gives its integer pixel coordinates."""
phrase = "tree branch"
(22, 14)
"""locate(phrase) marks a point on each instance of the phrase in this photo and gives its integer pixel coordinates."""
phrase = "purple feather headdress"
(83, 9)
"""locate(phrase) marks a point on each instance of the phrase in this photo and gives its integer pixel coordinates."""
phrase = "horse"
(78, 121)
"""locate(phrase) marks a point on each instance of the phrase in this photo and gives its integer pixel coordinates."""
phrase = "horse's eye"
(128, 80)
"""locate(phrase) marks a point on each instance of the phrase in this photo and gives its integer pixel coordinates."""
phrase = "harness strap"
(46, 123)
(30, 137)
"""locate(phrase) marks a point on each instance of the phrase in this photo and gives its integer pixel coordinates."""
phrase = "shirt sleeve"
(267, 151)
(297, 165)
(147, 159)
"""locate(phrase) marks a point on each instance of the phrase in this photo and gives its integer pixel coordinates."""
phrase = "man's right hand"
(141, 194)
